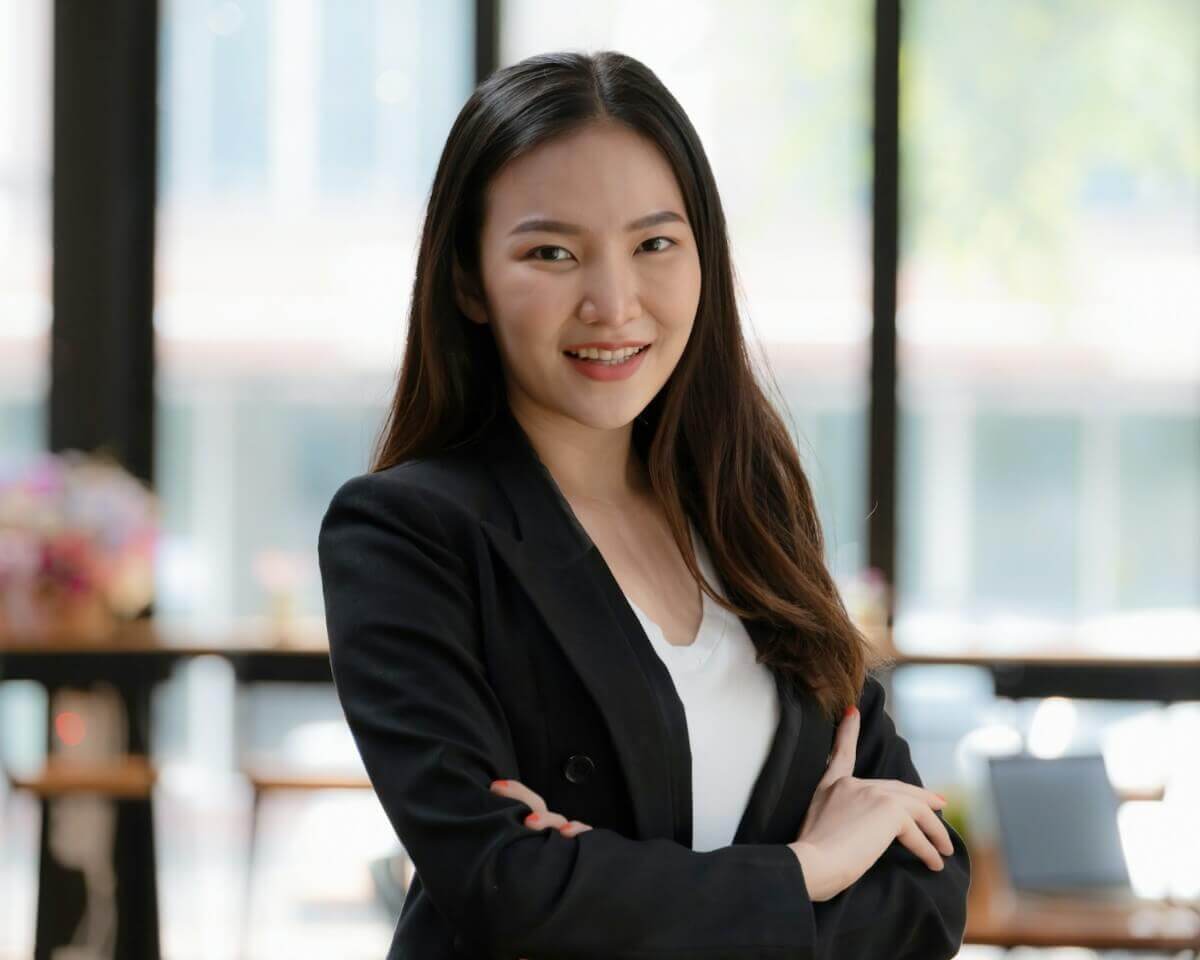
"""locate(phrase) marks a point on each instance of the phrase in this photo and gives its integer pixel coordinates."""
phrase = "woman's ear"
(465, 295)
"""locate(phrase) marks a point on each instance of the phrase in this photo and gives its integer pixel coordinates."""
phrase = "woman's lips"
(604, 371)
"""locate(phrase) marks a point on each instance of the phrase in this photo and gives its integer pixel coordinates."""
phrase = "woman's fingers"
(518, 790)
(845, 748)
(928, 797)
(568, 828)
(912, 837)
(934, 828)
(539, 817)
(548, 818)
(924, 834)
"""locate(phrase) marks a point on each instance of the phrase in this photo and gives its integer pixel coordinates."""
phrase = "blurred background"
(967, 238)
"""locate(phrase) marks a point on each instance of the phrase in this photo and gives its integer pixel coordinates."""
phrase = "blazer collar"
(572, 587)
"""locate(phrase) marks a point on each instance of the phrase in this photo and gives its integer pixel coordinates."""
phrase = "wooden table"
(1160, 664)
(133, 658)
(999, 916)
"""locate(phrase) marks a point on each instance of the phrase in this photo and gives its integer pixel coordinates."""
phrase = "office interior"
(967, 240)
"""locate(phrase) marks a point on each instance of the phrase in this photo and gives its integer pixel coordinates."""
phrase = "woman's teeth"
(607, 357)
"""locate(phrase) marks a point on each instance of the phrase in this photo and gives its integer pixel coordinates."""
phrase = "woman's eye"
(532, 253)
(661, 249)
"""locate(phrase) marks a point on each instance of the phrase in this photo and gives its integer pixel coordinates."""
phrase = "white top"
(732, 709)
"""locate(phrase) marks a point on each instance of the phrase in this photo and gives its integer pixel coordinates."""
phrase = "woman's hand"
(851, 822)
(540, 818)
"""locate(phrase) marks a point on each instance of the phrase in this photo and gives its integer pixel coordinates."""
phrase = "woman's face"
(604, 272)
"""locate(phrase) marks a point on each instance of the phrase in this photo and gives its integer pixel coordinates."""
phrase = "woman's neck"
(597, 465)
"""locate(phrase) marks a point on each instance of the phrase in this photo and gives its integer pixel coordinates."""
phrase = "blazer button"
(578, 768)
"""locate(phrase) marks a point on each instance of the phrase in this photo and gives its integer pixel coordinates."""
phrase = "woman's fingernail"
(849, 710)
(532, 818)
(503, 783)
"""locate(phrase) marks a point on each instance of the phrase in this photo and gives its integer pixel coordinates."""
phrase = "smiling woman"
(480, 582)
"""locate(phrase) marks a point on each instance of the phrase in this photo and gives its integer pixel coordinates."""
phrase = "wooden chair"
(127, 780)
(270, 775)
(128, 777)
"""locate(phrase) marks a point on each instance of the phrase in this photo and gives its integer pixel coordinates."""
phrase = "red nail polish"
(849, 710)
(503, 783)
(532, 818)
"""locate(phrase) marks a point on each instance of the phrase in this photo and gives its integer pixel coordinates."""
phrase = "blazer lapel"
(573, 589)
(768, 810)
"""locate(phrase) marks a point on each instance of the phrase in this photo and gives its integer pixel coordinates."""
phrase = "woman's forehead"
(599, 179)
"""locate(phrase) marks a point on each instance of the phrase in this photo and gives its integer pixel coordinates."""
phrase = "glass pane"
(298, 142)
(25, 147)
(1049, 337)
(1159, 466)
(796, 193)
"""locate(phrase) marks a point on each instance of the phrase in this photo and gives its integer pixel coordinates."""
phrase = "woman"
(590, 588)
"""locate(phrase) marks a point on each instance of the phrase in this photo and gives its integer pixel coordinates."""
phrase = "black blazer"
(476, 633)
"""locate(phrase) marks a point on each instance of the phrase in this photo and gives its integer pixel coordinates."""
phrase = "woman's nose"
(611, 295)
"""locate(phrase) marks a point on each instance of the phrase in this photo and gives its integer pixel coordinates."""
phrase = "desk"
(134, 658)
(999, 916)
(1153, 660)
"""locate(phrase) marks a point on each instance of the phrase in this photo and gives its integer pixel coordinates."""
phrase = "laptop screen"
(1058, 823)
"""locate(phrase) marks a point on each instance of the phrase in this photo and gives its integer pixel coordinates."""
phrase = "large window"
(25, 89)
(1049, 328)
(298, 140)
(780, 93)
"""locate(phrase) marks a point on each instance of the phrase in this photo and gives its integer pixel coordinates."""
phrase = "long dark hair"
(716, 449)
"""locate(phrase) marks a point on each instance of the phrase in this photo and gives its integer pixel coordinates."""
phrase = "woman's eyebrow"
(543, 225)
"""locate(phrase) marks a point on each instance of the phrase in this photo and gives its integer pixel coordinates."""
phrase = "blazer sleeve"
(899, 908)
(401, 604)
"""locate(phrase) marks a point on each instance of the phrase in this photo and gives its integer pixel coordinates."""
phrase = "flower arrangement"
(77, 543)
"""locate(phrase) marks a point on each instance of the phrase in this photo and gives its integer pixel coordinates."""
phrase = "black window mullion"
(882, 416)
(105, 132)
(487, 38)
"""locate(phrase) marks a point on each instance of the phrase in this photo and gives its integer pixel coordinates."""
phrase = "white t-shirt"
(732, 709)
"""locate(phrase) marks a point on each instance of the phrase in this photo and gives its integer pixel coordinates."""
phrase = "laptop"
(1058, 833)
